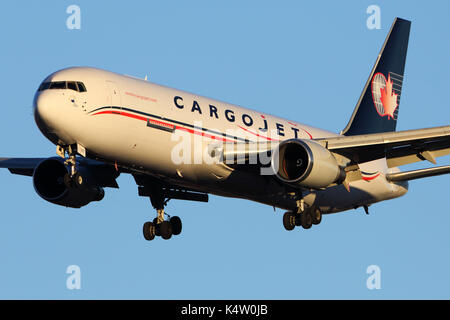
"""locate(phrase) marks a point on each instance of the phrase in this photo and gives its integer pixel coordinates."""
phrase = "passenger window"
(81, 87)
(58, 85)
(72, 85)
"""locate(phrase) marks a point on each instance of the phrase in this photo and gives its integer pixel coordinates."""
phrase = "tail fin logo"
(384, 96)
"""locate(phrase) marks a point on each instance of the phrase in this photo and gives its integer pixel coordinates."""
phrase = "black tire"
(298, 220)
(289, 221)
(149, 231)
(165, 228)
(177, 225)
(307, 220)
(316, 216)
(155, 222)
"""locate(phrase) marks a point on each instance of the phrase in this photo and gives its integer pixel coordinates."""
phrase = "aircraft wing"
(418, 174)
(22, 166)
(105, 173)
(399, 148)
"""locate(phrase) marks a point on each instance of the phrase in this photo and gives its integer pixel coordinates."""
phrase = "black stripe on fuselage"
(171, 120)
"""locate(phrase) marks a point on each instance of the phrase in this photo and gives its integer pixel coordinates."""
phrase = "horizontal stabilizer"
(418, 174)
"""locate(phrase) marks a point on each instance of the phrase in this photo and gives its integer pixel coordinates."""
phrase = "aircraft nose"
(43, 111)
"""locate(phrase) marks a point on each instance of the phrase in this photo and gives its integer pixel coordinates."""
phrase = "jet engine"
(53, 183)
(306, 163)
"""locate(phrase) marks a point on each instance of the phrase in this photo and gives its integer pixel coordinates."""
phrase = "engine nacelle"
(50, 180)
(307, 164)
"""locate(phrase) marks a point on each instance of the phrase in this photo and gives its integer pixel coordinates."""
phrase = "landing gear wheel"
(307, 220)
(149, 231)
(176, 225)
(156, 224)
(289, 221)
(78, 179)
(298, 220)
(316, 216)
(165, 228)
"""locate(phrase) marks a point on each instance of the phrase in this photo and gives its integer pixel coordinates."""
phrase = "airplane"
(178, 145)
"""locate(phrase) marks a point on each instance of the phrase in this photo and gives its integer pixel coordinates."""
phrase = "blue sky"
(302, 61)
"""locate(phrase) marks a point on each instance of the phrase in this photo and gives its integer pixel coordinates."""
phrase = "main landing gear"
(160, 193)
(160, 226)
(165, 229)
(306, 219)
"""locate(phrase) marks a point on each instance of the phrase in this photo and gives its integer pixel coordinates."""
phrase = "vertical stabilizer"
(378, 106)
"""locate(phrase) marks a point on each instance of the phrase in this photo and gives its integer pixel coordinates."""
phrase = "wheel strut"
(71, 161)
(160, 215)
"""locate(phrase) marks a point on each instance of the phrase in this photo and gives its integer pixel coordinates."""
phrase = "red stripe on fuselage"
(270, 139)
(309, 134)
(130, 115)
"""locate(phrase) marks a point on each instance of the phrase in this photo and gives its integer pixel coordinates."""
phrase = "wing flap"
(418, 174)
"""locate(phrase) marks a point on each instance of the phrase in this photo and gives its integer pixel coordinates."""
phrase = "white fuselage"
(165, 132)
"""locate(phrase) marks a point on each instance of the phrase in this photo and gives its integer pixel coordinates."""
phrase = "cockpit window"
(44, 86)
(81, 87)
(72, 85)
(58, 85)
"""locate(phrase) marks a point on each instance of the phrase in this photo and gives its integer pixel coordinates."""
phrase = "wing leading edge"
(104, 173)
(399, 148)
(22, 166)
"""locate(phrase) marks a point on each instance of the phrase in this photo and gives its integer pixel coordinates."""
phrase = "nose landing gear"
(73, 177)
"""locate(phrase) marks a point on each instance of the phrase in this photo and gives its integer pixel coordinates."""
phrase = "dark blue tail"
(377, 107)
